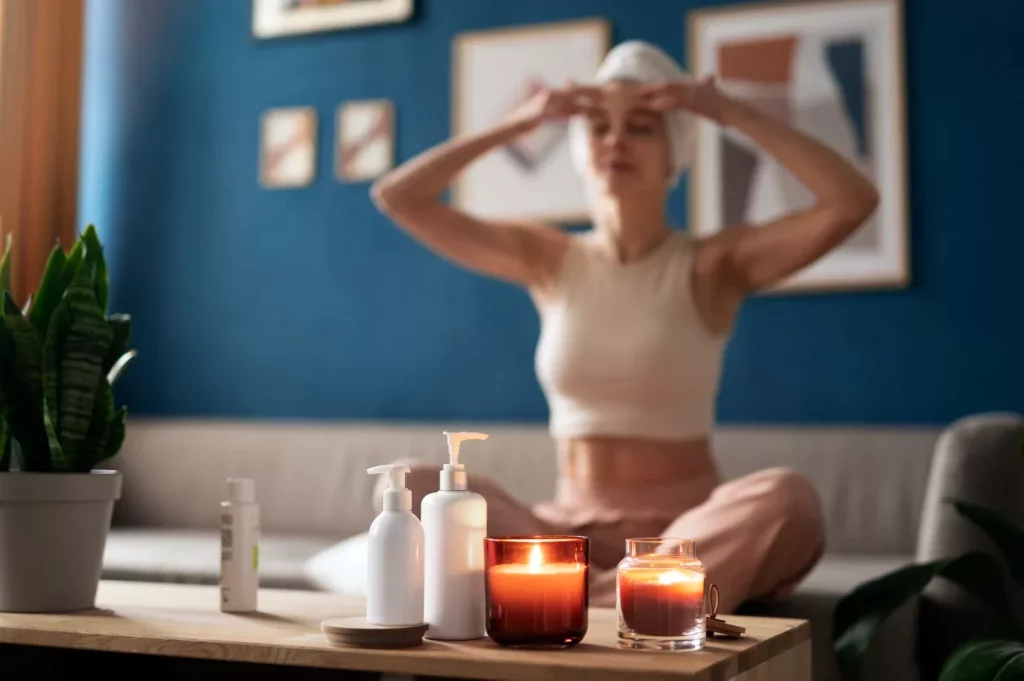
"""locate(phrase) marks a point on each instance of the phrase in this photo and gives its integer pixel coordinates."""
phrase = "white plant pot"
(53, 529)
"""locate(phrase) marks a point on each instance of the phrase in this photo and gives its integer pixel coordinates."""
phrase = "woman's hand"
(700, 97)
(554, 104)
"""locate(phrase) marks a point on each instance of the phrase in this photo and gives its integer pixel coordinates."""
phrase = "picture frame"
(834, 70)
(277, 18)
(364, 146)
(288, 137)
(492, 72)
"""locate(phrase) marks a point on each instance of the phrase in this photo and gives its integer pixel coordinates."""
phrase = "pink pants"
(757, 536)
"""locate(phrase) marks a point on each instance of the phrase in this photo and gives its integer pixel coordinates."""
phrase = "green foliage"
(997, 659)
(859, 616)
(58, 361)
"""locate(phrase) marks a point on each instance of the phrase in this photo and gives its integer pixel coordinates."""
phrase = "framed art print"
(287, 147)
(493, 72)
(273, 18)
(833, 70)
(364, 140)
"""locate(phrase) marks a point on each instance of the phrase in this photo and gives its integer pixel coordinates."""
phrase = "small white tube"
(239, 547)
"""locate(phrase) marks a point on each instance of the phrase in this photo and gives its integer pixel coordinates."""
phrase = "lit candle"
(665, 601)
(541, 600)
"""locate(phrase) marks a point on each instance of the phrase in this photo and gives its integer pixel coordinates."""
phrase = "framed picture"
(364, 140)
(833, 70)
(495, 71)
(273, 18)
(288, 147)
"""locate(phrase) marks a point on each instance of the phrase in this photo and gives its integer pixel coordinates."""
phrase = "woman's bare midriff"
(627, 462)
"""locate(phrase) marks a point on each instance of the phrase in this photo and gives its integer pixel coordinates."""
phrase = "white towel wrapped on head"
(641, 62)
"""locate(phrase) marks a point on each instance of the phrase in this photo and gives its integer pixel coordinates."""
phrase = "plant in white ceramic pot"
(59, 358)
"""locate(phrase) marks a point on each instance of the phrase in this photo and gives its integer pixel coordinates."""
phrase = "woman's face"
(629, 151)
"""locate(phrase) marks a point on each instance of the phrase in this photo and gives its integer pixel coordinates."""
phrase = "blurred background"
(287, 332)
(306, 303)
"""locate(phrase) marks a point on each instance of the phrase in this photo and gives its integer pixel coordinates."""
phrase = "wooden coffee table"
(178, 629)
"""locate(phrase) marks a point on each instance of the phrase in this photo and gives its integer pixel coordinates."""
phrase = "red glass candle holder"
(660, 595)
(537, 591)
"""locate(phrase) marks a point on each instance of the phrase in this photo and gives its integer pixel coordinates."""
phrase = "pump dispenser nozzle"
(396, 496)
(453, 474)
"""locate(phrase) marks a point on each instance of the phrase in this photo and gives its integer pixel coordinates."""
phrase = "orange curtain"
(40, 91)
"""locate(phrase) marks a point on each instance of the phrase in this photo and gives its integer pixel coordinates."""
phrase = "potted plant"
(994, 656)
(59, 358)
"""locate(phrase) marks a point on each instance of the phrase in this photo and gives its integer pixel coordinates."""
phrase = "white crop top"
(622, 350)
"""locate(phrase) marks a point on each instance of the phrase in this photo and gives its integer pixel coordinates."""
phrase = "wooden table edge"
(307, 646)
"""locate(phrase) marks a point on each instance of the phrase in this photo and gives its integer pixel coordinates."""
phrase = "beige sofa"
(313, 489)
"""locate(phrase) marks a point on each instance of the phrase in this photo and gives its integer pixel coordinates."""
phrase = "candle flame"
(677, 577)
(536, 559)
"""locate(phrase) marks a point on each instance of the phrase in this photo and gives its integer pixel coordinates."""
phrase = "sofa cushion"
(160, 554)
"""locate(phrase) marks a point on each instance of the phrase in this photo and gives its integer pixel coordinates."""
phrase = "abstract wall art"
(833, 70)
(274, 18)
(364, 140)
(495, 71)
(287, 147)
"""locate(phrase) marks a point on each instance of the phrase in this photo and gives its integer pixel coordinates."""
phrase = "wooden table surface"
(185, 621)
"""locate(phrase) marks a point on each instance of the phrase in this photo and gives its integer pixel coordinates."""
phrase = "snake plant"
(59, 359)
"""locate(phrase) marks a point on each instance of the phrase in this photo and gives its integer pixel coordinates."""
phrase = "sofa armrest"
(977, 459)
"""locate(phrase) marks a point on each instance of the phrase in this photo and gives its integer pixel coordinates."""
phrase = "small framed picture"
(365, 140)
(288, 147)
(274, 18)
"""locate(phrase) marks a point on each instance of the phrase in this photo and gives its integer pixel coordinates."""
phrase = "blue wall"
(308, 304)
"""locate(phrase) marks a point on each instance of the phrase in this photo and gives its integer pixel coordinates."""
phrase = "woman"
(635, 316)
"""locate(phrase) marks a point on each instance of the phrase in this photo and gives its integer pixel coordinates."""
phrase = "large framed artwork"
(493, 72)
(835, 71)
(275, 18)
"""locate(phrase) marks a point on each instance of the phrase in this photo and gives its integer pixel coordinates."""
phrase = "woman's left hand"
(701, 97)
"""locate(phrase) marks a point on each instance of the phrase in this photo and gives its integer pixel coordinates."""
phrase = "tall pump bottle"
(454, 524)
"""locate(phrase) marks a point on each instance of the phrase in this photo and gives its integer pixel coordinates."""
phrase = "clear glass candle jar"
(537, 591)
(660, 595)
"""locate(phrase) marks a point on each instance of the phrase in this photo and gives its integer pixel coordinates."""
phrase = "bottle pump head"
(396, 496)
(453, 475)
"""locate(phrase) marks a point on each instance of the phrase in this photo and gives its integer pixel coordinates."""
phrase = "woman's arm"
(522, 252)
(749, 258)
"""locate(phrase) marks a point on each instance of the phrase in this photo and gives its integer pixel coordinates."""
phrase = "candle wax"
(661, 601)
(536, 598)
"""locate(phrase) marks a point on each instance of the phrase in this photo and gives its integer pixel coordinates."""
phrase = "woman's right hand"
(550, 104)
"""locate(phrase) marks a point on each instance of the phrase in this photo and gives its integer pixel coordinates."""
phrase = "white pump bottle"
(394, 594)
(455, 524)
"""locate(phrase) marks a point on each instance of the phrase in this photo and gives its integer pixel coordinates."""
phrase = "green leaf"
(21, 358)
(116, 435)
(121, 325)
(99, 429)
(5, 444)
(51, 289)
(1007, 537)
(58, 461)
(5, 266)
(76, 344)
(119, 366)
(985, 660)
(95, 250)
(861, 613)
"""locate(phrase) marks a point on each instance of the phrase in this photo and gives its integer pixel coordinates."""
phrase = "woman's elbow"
(383, 195)
(850, 213)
